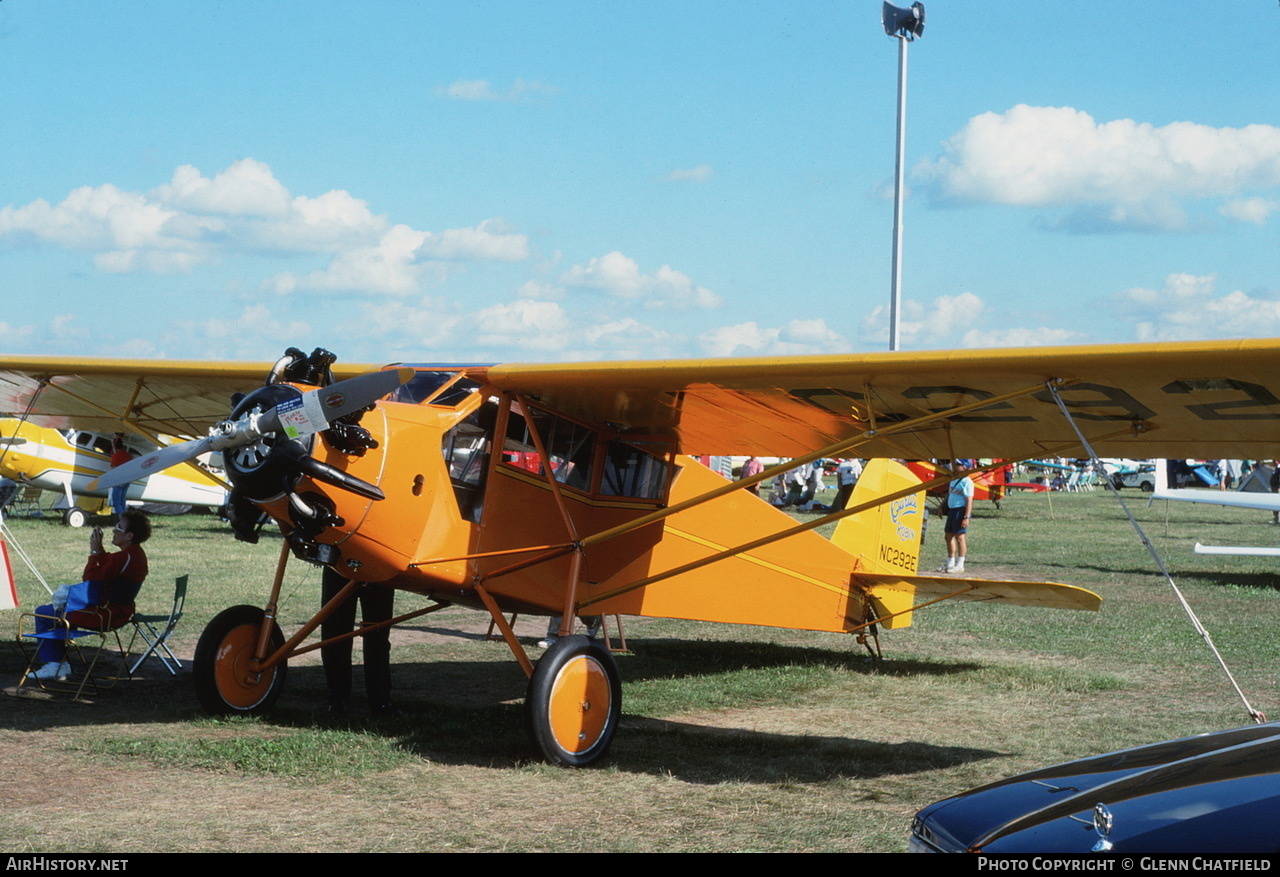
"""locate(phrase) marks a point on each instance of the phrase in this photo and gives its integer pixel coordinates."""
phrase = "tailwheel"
(574, 701)
(225, 684)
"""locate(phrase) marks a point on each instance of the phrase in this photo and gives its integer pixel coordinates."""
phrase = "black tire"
(223, 682)
(74, 517)
(567, 719)
(1147, 486)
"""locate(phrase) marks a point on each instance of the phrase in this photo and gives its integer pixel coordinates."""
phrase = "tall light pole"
(904, 25)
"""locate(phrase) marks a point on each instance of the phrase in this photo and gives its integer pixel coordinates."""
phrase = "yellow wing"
(156, 397)
(1151, 399)
(1140, 400)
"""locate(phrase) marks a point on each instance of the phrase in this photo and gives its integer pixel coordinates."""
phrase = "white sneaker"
(52, 670)
(959, 567)
(946, 567)
(547, 642)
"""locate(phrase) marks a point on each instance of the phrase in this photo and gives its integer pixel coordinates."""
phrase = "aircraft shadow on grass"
(469, 713)
(1260, 580)
(465, 712)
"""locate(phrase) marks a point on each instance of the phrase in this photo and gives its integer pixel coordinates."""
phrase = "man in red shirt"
(119, 456)
(112, 582)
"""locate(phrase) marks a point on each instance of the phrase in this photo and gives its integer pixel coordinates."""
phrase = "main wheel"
(574, 701)
(74, 517)
(224, 683)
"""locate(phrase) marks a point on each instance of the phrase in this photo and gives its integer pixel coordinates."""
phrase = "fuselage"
(66, 461)
(481, 486)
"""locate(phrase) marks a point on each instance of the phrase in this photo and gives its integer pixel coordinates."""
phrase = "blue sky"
(504, 181)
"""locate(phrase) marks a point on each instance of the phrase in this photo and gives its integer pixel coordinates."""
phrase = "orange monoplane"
(568, 489)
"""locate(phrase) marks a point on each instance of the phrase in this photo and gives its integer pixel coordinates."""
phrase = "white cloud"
(485, 242)
(1187, 307)
(523, 329)
(387, 268)
(483, 90)
(1123, 173)
(540, 289)
(90, 218)
(1254, 210)
(699, 174)
(619, 276)
(751, 339)
(1044, 336)
(331, 221)
(625, 338)
(945, 318)
(255, 333)
(247, 188)
(523, 325)
(402, 258)
(14, 337)
(958, 321)
(242, 210)
(469, 89)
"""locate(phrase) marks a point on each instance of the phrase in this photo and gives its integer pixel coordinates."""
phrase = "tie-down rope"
(1200, 629)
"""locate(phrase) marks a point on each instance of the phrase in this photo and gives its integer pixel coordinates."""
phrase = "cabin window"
(571, 446)
(91, 441)
(629, 471)
(466, 455)
(433, 388)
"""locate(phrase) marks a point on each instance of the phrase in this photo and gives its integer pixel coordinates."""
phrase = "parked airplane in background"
(1263, 502)
(565, 489)
(65, 461)
(992, 485)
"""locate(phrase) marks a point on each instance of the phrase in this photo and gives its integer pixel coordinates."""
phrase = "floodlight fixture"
(904, 25)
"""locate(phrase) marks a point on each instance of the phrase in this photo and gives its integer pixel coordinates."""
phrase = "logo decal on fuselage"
(899, 511)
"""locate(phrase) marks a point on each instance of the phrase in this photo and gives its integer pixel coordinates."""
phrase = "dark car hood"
(1189, 794)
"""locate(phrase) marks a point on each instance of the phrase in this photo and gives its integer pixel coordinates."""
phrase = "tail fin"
(885, 539)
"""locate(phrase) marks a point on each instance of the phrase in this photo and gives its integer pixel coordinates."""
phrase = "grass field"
(732, 738)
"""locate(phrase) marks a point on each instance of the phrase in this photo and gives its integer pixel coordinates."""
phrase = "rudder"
(885, 539)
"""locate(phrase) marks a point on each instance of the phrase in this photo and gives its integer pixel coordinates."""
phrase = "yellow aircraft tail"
(885, 541)
(886, 537)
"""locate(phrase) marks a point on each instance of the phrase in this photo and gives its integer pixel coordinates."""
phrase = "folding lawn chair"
(83, 658)
(144, 626)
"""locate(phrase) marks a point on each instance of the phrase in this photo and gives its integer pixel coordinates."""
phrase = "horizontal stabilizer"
(1238, 550)
(896, 593)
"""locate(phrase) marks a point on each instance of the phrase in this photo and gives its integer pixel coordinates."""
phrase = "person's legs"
(377, 604)
(337, 656)
(50, 650)
(118, 499)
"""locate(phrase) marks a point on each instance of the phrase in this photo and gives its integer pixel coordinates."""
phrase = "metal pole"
(895, 296)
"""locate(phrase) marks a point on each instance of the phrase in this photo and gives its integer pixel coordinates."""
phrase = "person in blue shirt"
(959, 508)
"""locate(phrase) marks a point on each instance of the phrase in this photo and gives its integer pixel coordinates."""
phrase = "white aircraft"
(1264, 502)
(66, 461)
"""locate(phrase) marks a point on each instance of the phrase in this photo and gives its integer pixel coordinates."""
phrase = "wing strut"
(800, 528)
(833, 450)
(1199, 628)
(575, 564)
(4, 528)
